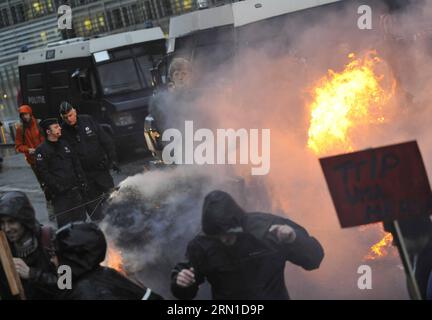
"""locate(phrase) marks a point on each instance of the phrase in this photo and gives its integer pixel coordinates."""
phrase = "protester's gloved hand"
(115, 167)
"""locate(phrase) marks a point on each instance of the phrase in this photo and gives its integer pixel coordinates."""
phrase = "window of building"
(87, 24)
(148, 11)
(167, 6)
(17, 13)
(160, 9)
(38, 8)
(4, 17)
(116, 19)
(137, 14)
(101, 21)
(126, 16)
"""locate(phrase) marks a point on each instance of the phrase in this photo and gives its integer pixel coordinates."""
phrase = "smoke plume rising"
(268, 85)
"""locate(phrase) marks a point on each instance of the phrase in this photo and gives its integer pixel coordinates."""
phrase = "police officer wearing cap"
(61, 174)
(96, 152)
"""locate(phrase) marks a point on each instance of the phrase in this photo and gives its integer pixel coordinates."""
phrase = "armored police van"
(108, 77)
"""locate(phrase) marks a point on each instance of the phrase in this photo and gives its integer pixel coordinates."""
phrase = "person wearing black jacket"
(61, 174)
(82, 247)
(32, 247)
(243, 255)
(96, 152)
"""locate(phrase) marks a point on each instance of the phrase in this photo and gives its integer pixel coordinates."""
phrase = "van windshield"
(120, 76)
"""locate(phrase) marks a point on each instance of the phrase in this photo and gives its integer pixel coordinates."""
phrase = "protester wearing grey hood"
(32, 248)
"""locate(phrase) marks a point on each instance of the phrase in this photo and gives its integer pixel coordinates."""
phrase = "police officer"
(61, 173)
(96, 152)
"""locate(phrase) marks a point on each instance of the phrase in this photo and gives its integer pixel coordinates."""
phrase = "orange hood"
(25, 109)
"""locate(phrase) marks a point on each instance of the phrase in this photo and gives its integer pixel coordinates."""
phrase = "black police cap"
(47, 122)
(65, 107)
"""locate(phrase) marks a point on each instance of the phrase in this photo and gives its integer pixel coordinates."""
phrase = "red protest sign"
(381, 184)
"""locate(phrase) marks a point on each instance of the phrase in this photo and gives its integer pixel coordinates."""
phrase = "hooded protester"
(28, 136)
(243, 255)
(31, 245)
(82, 246)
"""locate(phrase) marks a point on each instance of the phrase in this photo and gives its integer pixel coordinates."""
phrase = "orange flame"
(380, 249)
(343, 102)
(346, 100)
(114, 259)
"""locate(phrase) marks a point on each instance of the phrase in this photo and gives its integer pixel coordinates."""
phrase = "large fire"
(345, 102)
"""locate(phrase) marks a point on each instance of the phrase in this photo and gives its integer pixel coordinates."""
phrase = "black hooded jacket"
(42, 283)
(82, 246)
(253, 267)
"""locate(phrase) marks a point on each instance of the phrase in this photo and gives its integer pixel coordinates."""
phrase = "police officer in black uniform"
(61, 174)
(96, 152)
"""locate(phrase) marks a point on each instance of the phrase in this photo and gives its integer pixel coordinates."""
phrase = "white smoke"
(268, 87)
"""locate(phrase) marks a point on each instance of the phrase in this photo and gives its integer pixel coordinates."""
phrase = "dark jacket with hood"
(253, 267)
(42, 283)
(82, 246)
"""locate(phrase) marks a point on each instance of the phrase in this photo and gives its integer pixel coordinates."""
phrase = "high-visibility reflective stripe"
(147, 294)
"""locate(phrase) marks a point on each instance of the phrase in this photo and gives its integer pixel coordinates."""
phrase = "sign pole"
(403, 252)
(12, 276)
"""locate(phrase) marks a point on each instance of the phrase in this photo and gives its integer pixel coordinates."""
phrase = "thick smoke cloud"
(155, 213)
